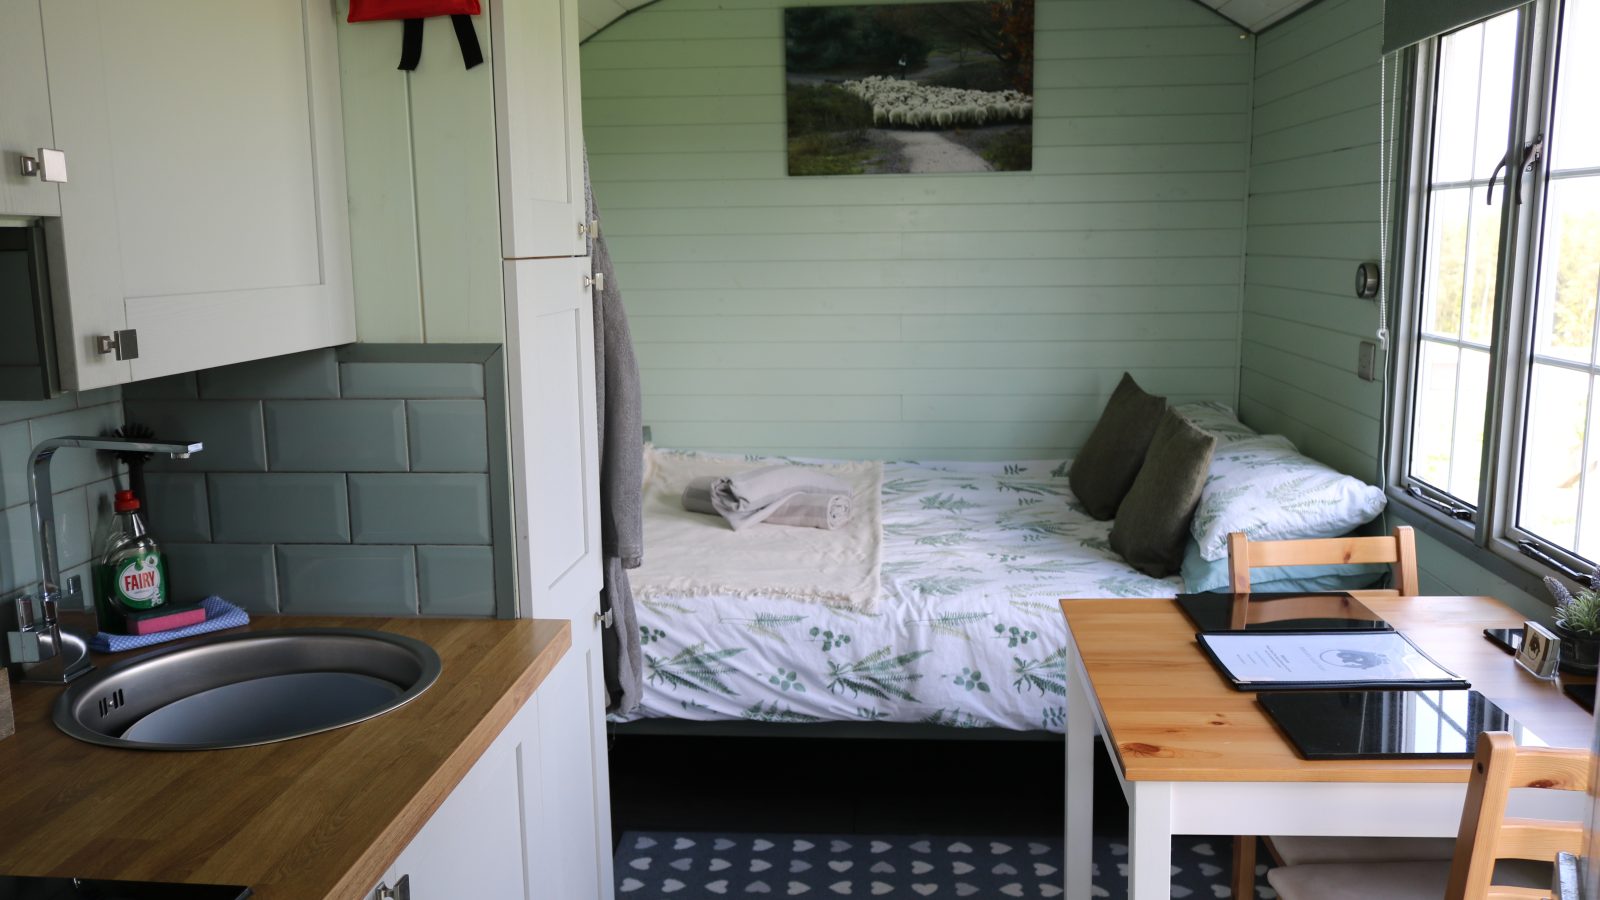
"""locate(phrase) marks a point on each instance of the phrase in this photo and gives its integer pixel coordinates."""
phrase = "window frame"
(1489, 523)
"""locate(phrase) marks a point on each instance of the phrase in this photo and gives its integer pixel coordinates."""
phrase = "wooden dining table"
(1195, 756)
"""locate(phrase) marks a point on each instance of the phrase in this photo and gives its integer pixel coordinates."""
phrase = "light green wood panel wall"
(424, 201)
(1313, 216)
(942, 316)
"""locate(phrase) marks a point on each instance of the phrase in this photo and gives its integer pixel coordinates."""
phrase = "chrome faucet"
(50, 644)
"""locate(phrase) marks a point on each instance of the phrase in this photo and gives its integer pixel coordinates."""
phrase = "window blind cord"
(1386, 133)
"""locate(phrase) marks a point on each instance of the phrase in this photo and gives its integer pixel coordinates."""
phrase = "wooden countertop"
(1171, 716)
(317, 817)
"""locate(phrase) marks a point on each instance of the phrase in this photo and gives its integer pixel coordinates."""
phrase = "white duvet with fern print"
(966, 634)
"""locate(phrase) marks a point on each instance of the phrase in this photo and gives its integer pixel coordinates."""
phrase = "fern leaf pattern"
(975, 557)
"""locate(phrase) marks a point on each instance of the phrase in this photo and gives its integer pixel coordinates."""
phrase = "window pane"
(1466, 448)
(1494, 97)
(1448, 222)
(1575, 140)
(1483, 247)
(1550, 465)
(1471, 130)
(1588, 545)
(1435, 413)
(1569, 270)
(1473, 103)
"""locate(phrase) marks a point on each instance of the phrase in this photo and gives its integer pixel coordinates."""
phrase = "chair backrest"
(1398, 549)
(1487, 836)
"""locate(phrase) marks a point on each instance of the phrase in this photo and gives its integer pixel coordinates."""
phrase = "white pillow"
(1217, 420)
(1263, 487)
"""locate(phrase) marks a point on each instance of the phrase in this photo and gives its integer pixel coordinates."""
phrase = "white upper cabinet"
(24, 112)
(540, 132)
(206, 208)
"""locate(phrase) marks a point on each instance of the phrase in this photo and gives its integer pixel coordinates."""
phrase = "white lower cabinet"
(522, 824)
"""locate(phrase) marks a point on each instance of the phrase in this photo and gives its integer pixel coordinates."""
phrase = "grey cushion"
(1296, 850)
(1152, 523)
(1391, 880)
(1109, 461)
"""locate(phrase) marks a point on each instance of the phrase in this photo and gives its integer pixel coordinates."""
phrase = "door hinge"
(125, 343)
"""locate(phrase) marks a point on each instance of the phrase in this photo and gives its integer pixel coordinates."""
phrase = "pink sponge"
(178, 618)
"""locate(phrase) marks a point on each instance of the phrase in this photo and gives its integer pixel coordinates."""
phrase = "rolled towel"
(808, 509)
(748, 498)
(813, 510)
(697, 496)
(782, 495)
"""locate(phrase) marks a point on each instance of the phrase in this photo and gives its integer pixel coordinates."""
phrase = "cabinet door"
(24, 111)
(473, 845)
(206, 206)
(550, 353)
(552, 389)
(539, 127)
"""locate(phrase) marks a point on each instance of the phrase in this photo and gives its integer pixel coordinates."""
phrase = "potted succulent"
(1578, 625)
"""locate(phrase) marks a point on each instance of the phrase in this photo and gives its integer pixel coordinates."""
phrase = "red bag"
(413, 12)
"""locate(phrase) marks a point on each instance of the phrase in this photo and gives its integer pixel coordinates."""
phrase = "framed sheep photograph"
(918, 88)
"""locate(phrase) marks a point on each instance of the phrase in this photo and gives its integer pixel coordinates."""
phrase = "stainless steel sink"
(240, 690)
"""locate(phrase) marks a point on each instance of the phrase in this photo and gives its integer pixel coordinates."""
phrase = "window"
(1499, 362)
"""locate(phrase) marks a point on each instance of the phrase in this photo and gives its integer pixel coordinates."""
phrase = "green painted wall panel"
(1313, 215)
(888, 315)
(424, 192)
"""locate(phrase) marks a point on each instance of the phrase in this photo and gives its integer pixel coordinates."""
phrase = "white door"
(538, 108)
(24, 111)
(550, 353)
(206, 204)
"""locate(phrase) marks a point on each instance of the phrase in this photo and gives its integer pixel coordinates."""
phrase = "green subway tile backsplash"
(350, 580)
(352, 481)
(419, 508)
(336, 435)
(279, 507)
(447, 435)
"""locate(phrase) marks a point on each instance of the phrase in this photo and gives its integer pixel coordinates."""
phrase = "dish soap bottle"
(131, 576)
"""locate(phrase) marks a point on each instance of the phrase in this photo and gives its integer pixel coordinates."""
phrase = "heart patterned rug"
(654, 865)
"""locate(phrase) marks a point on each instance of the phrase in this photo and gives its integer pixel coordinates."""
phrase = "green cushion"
(1152, 526)
(1109, 461)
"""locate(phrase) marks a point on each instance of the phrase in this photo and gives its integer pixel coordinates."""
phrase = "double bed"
(965, 633)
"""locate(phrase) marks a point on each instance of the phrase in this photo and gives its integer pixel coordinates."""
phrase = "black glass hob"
(13, 887)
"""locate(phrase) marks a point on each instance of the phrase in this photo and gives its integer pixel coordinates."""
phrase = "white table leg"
(1150, 841)
(1078, 864)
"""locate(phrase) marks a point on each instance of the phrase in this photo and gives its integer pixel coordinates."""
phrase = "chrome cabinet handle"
(49, 165)
(400, 891)
(125, 343)
(596, 281)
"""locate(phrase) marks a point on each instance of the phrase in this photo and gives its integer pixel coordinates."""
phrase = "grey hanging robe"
(621, 440)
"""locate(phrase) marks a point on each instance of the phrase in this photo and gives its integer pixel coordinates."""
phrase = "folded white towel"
(807, 509)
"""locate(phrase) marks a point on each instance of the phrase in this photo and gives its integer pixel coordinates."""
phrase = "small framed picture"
(1540, 650)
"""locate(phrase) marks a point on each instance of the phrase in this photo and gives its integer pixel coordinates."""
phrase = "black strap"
(411, 45)
(467, 37)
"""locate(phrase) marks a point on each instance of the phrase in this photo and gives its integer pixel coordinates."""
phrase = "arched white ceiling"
(1253, 15)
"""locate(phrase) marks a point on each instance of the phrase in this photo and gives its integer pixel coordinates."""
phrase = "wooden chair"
(1400, 551)
(1496, 858)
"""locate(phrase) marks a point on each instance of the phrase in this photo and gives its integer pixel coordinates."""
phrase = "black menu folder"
(1330, 611)
(1310, 660)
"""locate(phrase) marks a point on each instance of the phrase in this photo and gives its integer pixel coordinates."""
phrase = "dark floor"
(845, 786)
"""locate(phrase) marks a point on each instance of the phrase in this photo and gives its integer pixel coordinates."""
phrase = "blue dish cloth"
(220, 614)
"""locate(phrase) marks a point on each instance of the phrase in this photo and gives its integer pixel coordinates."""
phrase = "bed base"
(901, 731)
